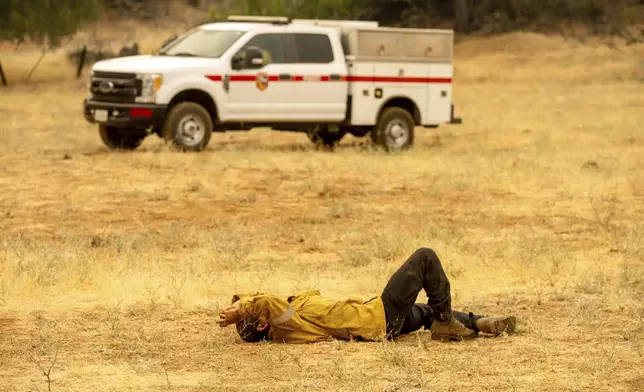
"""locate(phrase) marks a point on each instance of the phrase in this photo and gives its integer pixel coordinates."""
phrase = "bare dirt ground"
(113, 266)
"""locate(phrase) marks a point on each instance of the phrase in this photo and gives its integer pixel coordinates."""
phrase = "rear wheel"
(326, 135)
(188, 127)
(121, 139)
(395, 130)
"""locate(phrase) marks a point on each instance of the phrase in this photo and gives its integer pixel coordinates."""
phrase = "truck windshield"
(202, 43)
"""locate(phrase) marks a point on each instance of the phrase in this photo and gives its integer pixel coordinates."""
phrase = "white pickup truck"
(323, 77)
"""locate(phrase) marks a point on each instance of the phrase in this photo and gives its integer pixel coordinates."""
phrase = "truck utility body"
(326, 78)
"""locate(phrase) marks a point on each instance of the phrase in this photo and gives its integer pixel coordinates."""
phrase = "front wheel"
(120, 139)
(188, 127)
(394, 130)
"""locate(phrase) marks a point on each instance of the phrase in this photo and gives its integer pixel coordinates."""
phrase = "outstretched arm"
(267, 308)
(230, 315)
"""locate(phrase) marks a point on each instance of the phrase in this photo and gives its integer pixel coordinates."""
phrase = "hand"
(229, 316)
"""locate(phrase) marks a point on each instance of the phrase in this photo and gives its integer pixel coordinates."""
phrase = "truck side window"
(313, 48)
(271, 45)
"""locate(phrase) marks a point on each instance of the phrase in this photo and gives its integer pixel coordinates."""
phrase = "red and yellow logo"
(261, 81)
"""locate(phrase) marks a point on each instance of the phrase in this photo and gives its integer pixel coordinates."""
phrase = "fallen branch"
(35, 66)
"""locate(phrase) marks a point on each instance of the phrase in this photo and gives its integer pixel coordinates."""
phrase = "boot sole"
(452, 338)
(507, 324)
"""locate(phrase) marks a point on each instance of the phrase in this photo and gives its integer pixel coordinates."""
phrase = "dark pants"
(422, 270)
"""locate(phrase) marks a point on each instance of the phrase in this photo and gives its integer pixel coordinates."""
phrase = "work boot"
(451, 329)
(496, 326)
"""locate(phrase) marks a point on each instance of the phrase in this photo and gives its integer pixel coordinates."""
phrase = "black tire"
(120, 139)
(323, 136)
(188, 127)
(394, 130)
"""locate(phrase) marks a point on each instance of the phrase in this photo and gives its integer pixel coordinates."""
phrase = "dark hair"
(247, 330)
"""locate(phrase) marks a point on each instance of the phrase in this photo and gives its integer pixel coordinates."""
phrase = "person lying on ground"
(309, 317)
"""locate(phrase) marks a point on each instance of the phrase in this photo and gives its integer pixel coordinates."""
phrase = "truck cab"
(322, 78)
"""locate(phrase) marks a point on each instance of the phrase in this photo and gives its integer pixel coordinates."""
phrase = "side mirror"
(238, 61)
(254, 58)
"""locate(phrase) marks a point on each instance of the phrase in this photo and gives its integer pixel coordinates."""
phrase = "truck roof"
(246, 26)
(313, 25)
(236, 26)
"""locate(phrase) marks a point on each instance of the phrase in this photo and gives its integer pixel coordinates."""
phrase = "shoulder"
(304, 294)
(239, 296)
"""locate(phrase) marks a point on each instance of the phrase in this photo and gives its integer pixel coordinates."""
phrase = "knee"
(427, 252)
(428, 255)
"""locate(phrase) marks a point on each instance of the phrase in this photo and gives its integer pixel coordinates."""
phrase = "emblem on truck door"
(261, 80)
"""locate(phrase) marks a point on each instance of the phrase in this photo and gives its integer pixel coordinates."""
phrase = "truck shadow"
(257, 145)
(249, 145)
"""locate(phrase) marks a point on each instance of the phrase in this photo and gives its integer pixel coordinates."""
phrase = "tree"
(412, 13)
(44, 21)
(320, 9)
(462, 15)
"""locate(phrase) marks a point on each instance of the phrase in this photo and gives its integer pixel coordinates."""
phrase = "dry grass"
(115, 264)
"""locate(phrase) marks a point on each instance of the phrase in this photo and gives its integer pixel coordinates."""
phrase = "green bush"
(322, 9)
(44, 21)
(496, 16)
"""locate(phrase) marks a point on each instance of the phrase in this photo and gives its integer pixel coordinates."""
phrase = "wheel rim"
(191, 130)
(397, 133)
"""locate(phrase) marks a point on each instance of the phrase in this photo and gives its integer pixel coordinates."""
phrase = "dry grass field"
(113, 266)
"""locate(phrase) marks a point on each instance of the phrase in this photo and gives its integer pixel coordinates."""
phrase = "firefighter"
(310, 317)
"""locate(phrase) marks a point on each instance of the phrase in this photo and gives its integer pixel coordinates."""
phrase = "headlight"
(150, 84)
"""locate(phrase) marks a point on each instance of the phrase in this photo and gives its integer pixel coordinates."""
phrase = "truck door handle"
(226, 83)
(285, 76)
(335, 77)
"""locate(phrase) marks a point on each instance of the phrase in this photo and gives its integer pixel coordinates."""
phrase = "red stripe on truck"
(327, 78)
(396, 79)
(251, 78)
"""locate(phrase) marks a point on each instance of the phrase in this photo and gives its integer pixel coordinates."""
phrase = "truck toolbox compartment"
(400, 44)
(428, 46)
(376, 43)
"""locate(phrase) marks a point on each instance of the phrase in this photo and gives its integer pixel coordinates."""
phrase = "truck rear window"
(313, 48)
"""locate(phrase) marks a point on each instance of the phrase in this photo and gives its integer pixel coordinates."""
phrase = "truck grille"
(115, 87)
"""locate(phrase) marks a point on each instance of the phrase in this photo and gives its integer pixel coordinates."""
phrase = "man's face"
(252, 331)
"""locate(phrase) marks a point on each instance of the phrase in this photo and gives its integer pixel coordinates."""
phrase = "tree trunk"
(3, 78)
(462, 16)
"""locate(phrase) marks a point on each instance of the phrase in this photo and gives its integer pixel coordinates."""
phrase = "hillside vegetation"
(51, 20)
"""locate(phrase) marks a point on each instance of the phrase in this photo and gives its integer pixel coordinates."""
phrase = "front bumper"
(125, 115)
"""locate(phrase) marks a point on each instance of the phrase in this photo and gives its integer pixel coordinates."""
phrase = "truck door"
(320, 88)
(261, 94)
